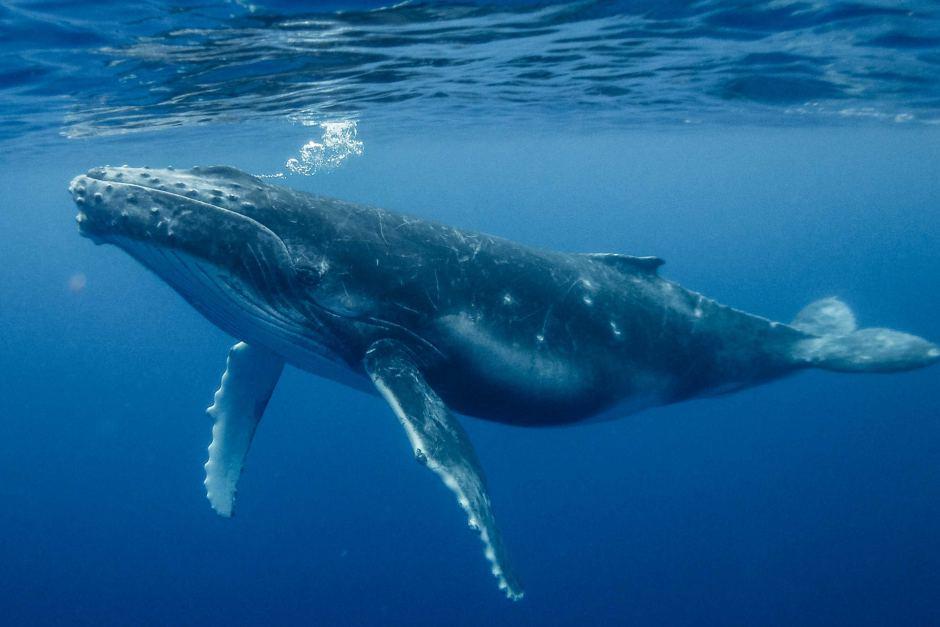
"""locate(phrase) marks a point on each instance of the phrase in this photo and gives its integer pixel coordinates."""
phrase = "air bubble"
(338, 142)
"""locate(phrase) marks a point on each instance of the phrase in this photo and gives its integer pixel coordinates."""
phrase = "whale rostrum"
(440, 321)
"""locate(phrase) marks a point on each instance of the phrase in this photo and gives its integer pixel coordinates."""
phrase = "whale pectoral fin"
(440, 443)
(249, 379)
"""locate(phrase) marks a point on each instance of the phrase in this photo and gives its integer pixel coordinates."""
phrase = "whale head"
(214, 234)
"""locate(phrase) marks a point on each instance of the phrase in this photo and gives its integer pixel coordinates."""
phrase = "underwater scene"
(470, 313)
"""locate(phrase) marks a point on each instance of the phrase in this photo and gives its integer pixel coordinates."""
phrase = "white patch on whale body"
(507, 364)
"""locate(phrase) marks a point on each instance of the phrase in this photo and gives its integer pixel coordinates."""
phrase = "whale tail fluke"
(835, 342)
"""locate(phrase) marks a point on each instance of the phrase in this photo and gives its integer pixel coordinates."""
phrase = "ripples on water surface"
(94, 68)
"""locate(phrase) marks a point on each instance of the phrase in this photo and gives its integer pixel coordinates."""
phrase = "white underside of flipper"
(249, 379)
(440, 443)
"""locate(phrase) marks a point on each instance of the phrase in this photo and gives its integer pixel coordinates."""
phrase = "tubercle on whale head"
(207, 229)
(134, 201)
(217, 216)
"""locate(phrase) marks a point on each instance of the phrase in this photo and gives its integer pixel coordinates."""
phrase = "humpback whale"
(440, 321)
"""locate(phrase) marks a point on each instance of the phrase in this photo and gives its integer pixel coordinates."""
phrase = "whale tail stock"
(835, 342)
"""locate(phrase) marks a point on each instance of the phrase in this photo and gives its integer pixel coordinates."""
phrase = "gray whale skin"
(438, 320)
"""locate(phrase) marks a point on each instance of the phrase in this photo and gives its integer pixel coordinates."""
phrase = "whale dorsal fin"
(249, 380)
(627, 262)
(440, 443)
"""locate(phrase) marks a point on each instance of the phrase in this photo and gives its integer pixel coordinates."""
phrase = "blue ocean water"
(772, 153)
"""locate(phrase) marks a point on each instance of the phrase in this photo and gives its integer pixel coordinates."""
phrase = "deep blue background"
(812, 501)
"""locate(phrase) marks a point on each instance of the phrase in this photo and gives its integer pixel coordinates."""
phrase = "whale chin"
(222, 297)
(219, 295)
(226, 301)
